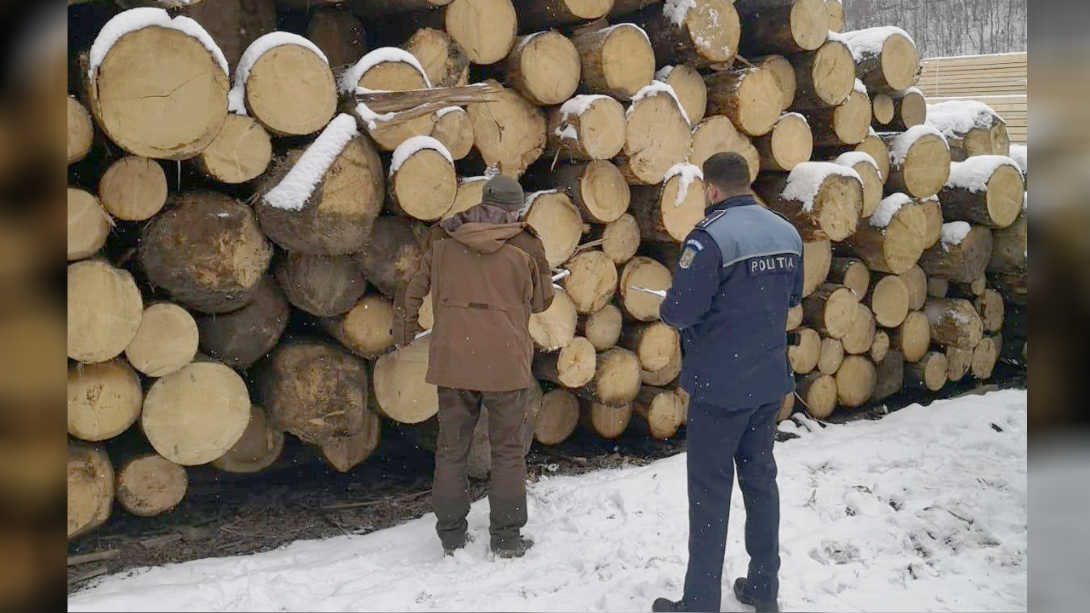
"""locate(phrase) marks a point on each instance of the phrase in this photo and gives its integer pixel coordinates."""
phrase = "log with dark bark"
(539, 14)
(339, 34)
(890, 376)
(699, 32)
(986, 190)
(244, 336)
(954, 322)
(824, 201)
(825, 77)
(322, 285)
(887, 58)
(961, 261)
(782, 26)
(393, 252)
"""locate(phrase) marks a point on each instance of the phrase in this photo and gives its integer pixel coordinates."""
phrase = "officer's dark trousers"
(718, 440)
(458, 414)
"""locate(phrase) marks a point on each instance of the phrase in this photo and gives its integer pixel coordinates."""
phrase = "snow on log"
(750, 97)
(962, 255)
(486, 29)
(592, 282)
(845, 124)
(260, 446)
(233, 24)
(104, 399)
(245, 335)
(657, 135)
(984, 189)
(508, 131)
(366, 329)
(670, 211)
(392, 253)
(544, 67)
(716, 134)
(873, 184)
(89, 224)
(423, 182)
(602, 328)
(165, 341)
(598, 188)
(138, 55)
(558, 417)
(782, 26)
(241, 152)
(647, 273)
(572, 367)
(104, 311)
(322, 285)
(790, 143)
(892, 239)
(886, 58)
(824, 78)
(557, 223)
(444, 60)
(954, 322)
(689, 86)
(90, 488)
(919, 161)
(823, 200)
(970, 127)
(81, 131)
(587, 127)
(150, 485)
(554, 328)
(697, 32)
(913, 337)
(831, 310)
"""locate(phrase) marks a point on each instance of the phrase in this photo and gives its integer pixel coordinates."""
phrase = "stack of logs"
(226, 177)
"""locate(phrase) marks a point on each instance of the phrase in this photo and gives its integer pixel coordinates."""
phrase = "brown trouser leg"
(458, 414)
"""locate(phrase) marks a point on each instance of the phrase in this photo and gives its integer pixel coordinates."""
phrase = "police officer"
(739, 272)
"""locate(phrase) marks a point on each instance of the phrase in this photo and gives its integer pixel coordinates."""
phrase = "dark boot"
(454, 544)
(741, 592)
(665, 605)
(512, 548)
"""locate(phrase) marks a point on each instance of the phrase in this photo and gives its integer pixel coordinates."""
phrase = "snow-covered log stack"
(314, 168)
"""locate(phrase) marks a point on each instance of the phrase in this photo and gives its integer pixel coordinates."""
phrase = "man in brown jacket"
(487, 273)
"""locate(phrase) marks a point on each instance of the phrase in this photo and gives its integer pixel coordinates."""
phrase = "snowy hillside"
(924, 509)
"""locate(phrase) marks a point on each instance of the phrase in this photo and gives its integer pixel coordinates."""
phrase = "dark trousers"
(718, 440)
(459, 411)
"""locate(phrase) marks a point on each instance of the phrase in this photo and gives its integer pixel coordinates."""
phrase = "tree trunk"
(234, 24)
(831, 309)
(508, 131)
(927, 374)
(544, 67)
(197, 414)
(958, 362)
(1010, 248)
(860, 337)
(883, 111)
(818, 393)
(453, 130)
(322, 285)
(593, 281)
(855, 381)
(804, 353)
(344, 453)
(881, 347)
(90, 488)
(661, 411)
(242, 337)
(554, 328)
(689, 86)
(888, 298)
(890, 376)
(339, 34)
(424, 185)
(851, 273)
(89, 224)
(954, 322)
(987, 136)
(655, 344)
(915, 280)
(573, 366)
(790, 26)
(909, 110)
(750, 97)
(845, 124)
(602, 328)
(587, 128)
(598, 188)
(104, 311)
(104, 399)
(608, 421)
(133, 188)
(657, 136)
(81, 131)
(290, 90)
(374, 9)
(617, 378)
(817, 258)
(393, 252)
(913, 337)
(401, 392)
(541, 14)
(486, 29)
(790, 143)
(649, 274)
(622, 8)
(991, 308)
(938, 287)
(241, 152)
(337, 215)
(443, 59)
(260, 446)
(165, 342)
(150, 485)
(558, 417)
(557, 223)
(832, 211)
(716, 134)
(824, 78)
(706, 33)
(830, 357)
(919, 162)
(964, 262)
(892, 249)
(669, 212)
(888, 61)
(616, 61)
(367, 329)
(997, 205)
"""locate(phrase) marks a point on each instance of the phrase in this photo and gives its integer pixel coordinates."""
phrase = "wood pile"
(290, 174)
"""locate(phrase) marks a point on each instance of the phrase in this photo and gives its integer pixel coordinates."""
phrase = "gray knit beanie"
(504, 192)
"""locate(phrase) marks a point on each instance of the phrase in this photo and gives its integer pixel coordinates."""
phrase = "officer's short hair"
(728, 171)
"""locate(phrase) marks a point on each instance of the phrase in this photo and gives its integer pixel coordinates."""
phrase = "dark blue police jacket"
(740, 271)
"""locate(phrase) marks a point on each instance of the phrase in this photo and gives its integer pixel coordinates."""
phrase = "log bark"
(716, 134)
(924, 167)
(558, 223)
(344, 453)
(508, 131)
(1010, 248)
(998, 205)
(486, 29)
(831, 356)
(133, 188)
(620, 239)
(443, 58)
(260, 446)
(881, 347)
(393, 252)
(657, 136)
(689, 86)
(851, 273)
(790, 143)
(655, 344)
(537, 15)
(622, 8)
(593, 281)
(817, 258)
(831, 309)
(339, 34)
(424, 185)
(832, 213)
(104, 311)
(241, 152)
(598, 188)
(90, 488)
(909, 110)
(366, 329)
(855, 381)
(558, 417)
(818, 393)
(243, 336)
(608, 421)
(195, 415)
(938, 287)
(787, 406)
(150, 485)
(81, 131)
(291, 91)
(913, 337)
(617, 378)
(991, 308)
(339, 214)
(958, 362)
(643, 272)
(927, 374)
(555, 327)
(804, 353)
(322, 285)
(373, 9)
(661, 411)
(315, 390)
(88, 224)
(824, 78)
(104, 399)
(616, 61)
(750, 97)
(401, 392)
(860, 337)
(844, 124)
(165, 342)
(707, 33)
(668, 212)
(790, 26)
(890, 376)
(125, 94)
(954, 322)
(544, 67)
(964, 262)
(889, 299)
(587, 128)
(892, 249)
(602, 328)
(572, 367)
(894, 66)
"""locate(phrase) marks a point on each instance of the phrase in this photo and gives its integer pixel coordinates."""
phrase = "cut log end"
(913, 337)
(344, 453)
(617, 378)
(598, 133)
(646, 273)
(954, 322)
(819, 394)
(545, 68)
(241, 152)
(367, 329)
(151, 485)
(851, 273)
(833, 308)
(889, 299)
(443, 59)
(804, 353)
(555, 327)
(716, 134)
(929, 373)
(621, 239)
(90, 489)
(88, 224)
(831, 356)
(924, 169)
(103, 399)
(790, 143)
(860, 336)
(424, 186)
(817, 259)
(657, 137)
(603, 328)
(593, 281)
(508, 131)
(81, 131)
(691, 91)
(133, 188)
(165, 342)
(291, 91)
(880, 347)
(260, 445)
(985, 355)
(615, 61)
(558, 417)
(558, 223)
(855, 381)
(486, 29)
(104, 311)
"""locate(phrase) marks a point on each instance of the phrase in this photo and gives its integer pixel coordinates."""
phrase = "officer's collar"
(733, 201)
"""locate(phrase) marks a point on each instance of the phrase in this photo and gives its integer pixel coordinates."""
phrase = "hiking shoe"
(449, 549)
(515, 548)
(665, 605)
(741, 592)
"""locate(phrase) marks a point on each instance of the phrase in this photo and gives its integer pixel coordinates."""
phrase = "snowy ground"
(922, 510)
